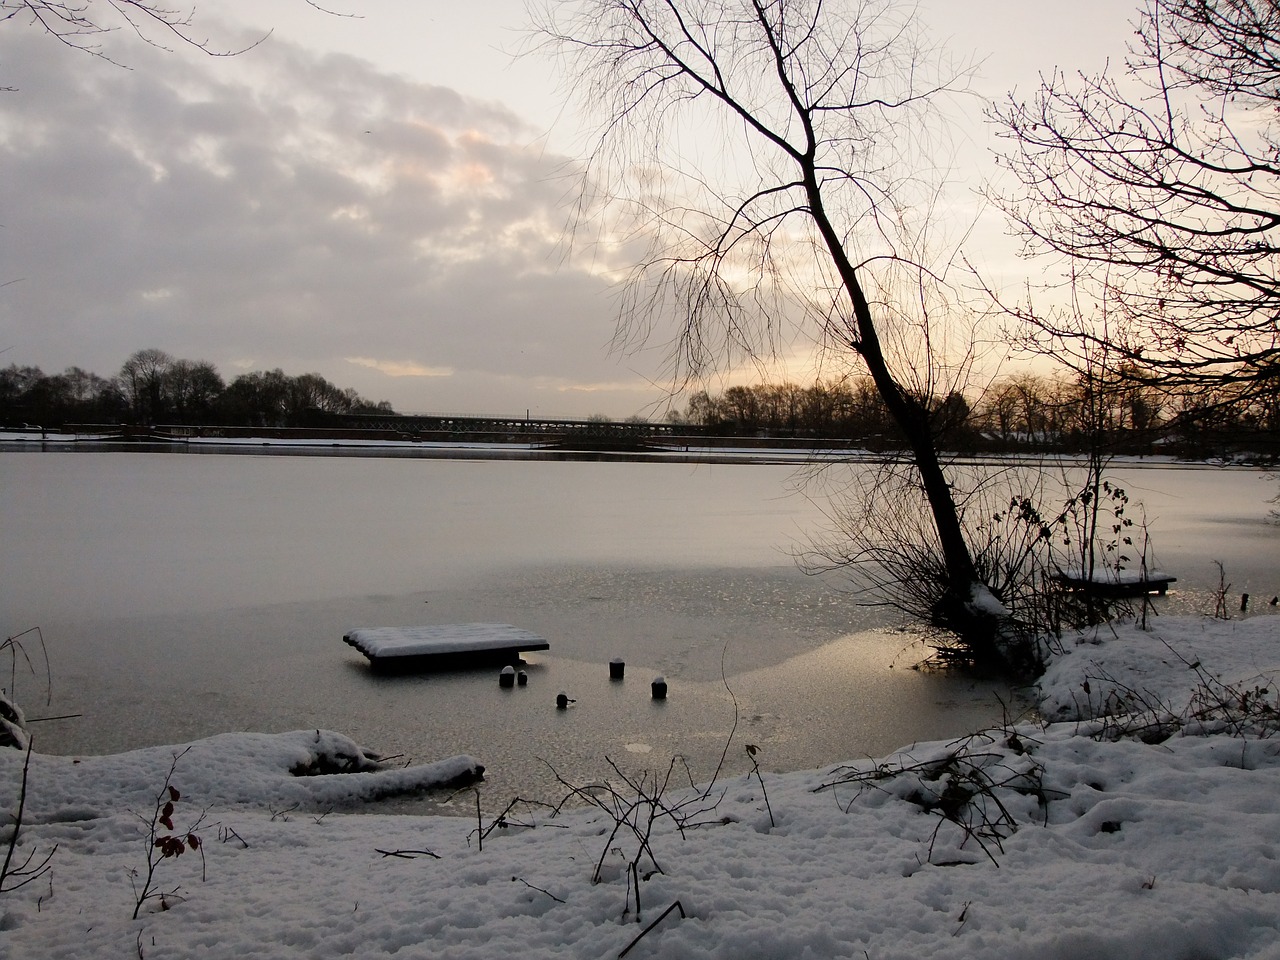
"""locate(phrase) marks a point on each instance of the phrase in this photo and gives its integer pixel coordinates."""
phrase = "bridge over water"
(612, 434)
(547, 433)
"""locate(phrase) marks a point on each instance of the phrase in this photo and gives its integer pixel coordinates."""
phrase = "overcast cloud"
(298, 210)
(393, 226)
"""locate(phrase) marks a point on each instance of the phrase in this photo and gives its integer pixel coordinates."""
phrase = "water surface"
(181, 596)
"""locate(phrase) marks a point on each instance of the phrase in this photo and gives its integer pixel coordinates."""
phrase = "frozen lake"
(181, 596)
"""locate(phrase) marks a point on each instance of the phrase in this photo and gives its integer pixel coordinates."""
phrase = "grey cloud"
(290, 210)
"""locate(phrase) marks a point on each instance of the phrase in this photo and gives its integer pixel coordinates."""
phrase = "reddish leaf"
(193, 841)
(170, 846)
(166, 823)
(174, 795)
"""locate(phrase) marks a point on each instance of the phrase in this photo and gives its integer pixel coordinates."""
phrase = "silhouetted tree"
(144, 382)
(257, 399)
(194, 389)
(1161, 187)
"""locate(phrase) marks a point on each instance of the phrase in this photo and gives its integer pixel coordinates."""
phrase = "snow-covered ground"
(1155, 835)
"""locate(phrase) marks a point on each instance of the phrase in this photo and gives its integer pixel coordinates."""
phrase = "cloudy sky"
(380, 198)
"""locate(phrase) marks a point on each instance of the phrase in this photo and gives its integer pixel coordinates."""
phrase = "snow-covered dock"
(451, 644)
(1116, 583)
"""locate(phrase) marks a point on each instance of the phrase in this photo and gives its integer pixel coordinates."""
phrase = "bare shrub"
(14, 875)
(637, 804)
(1030, 535)
(1248, 710)
(961, 787)
(165, 842)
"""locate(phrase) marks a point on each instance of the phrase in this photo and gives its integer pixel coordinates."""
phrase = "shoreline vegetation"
(1134, 819)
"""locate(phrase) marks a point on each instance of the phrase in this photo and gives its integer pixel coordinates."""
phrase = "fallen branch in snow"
(964, 916)
(662, 916)
(283, 814)
(227, 834)
(539, 889)
(407, 854)
(328, 760)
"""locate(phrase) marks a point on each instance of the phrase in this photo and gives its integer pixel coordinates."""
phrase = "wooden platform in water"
(444, 645)
(1112, 585)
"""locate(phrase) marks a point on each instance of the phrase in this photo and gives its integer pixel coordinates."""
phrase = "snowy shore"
(1141, 821)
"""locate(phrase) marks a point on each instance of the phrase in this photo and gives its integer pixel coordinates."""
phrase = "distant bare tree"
(194, 388)
(83, 386)
(144, 382)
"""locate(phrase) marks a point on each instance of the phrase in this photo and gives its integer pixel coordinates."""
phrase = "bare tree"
(85, 24)
(193, 387)
(780, 159)
(144, 380)
(1161, 188)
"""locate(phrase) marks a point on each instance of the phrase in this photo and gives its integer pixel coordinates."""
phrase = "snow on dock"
(451, 644)
(1116, 583)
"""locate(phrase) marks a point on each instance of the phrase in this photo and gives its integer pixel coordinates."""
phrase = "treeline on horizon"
(1024, 411)
(154, 387)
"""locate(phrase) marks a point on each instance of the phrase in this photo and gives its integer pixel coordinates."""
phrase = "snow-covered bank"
(1063, 841)
(306, 769)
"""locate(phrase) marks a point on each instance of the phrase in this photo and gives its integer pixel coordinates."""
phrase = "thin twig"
(662, 916)
(539, 889)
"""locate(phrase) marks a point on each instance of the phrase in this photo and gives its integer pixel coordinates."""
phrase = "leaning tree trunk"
(956, 610)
